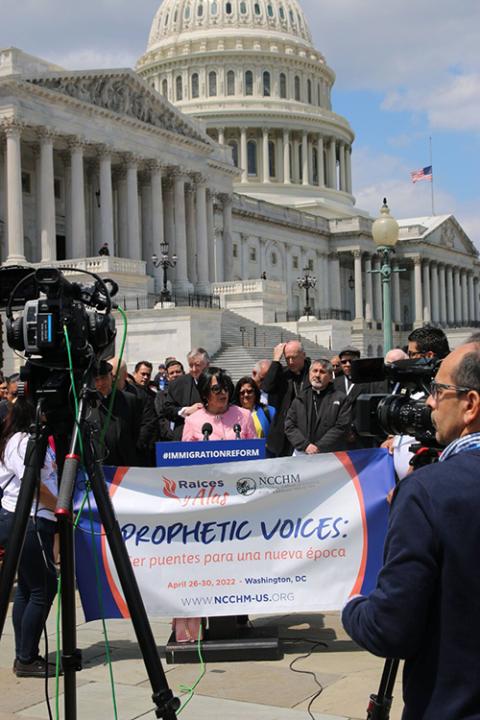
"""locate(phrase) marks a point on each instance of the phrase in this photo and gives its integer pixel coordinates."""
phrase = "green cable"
(190, 689)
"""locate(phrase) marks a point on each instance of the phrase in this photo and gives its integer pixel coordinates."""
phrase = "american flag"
(422, 174)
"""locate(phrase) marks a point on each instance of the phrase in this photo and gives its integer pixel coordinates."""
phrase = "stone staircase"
(244, 342)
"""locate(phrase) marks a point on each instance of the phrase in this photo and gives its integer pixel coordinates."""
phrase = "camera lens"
(400, 415)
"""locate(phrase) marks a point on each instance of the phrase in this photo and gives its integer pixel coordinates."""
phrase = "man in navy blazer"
(426, 606)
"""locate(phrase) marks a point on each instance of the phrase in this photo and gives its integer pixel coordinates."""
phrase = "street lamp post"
(164, 262)
(307, 282)
(385, 232)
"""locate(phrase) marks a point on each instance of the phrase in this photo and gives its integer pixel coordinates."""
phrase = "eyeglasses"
(435, 387)
(347, 360)
(217, 389)
(246, 392)
(415, 354)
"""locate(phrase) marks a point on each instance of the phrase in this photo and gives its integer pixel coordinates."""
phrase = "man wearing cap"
(121, 437)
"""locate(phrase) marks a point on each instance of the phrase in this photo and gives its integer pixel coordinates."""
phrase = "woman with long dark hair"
(247, 396)
(36, 582)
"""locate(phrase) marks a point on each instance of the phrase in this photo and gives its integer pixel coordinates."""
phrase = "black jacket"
(121, 439)
(354, 440)
(280, 383)
(148, 425)
(182, 392)
(425, 605)
(329, 431)
(165, 432)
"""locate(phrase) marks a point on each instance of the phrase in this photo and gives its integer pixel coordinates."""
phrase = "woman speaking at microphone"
(227, 422)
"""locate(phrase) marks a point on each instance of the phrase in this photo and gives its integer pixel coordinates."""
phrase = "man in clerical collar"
(319, 418)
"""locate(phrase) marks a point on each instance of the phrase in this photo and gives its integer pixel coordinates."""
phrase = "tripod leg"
(166, 703)
(380, 704)
(34, 458)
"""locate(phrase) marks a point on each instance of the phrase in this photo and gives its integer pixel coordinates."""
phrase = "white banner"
(284, 535)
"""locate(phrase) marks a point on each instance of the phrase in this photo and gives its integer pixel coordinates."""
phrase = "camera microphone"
(207, 430)
(237, 429)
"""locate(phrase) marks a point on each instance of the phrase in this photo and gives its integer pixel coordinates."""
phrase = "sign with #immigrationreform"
(268, 536)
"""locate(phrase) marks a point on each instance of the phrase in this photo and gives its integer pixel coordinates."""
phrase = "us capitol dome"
(248, 71)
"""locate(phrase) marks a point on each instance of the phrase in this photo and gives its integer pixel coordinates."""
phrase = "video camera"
(398, 413)
(56, 309)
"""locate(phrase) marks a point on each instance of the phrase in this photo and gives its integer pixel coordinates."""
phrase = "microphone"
(207, 430)
(237, 429)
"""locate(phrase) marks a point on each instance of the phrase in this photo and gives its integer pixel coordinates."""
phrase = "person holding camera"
(36, 578)
(425, 605)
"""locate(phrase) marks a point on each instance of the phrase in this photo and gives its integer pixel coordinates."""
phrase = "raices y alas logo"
(199, 493)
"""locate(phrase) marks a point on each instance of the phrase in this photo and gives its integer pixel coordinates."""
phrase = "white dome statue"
(248, 71)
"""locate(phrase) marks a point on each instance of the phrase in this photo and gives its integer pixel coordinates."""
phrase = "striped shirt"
(467, 442)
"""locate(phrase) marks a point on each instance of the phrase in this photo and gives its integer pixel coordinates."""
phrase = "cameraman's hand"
(388, 444)
(278, 351)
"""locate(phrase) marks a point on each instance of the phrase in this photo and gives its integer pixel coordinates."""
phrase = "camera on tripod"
(52, 304)
(402, 412)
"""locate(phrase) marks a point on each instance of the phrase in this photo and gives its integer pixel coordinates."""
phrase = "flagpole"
(431, 165)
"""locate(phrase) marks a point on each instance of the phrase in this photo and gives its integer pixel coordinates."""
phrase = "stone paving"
(267, 690)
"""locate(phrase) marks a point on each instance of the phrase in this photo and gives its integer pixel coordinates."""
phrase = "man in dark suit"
(425, 605)
(119, 446)
(183, 397)
(174, 369)
(319, 419)
(352, 391)
(283, 385)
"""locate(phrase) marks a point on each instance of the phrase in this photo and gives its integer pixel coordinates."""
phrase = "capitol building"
(221, 149)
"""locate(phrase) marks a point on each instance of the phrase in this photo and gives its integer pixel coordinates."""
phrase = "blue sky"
(406, 70)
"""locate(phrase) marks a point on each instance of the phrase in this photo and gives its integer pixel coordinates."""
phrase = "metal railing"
(149, 301)
(324, 314)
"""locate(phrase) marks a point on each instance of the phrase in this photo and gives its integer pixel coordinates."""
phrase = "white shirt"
(13, 467)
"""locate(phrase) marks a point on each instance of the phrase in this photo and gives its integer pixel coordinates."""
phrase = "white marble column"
(227, 201)
(368, 289)
(435, 309)
(219, 255)
(343, 182)
(305, 172)
(458, 296)
(321, 168)
(67, 174)
(48, 235)
(14, 202)
(396, 304)
(243, 154)
(427, 304)
(211, 233)
(77, 201)
(157, 219)
(325, 270)
(221, 136)
(182, 283)
(169, 214)
(335, 293)
(471, 297)
(191, 233)
(133, 220)
(245, 257)
(286, 157)
(265, 157)
(377, 290)
(464, 297)
(332, 164)
(417, 284)
(203, 286)
(443, 294)
(348, 168)
(146, 219)
(450, 297)
(357, 261)
(106, 197)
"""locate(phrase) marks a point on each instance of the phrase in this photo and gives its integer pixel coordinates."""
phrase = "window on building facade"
(57, 188)
(274, 258)
(249, 82)
(270, 10)
(310, 265)
(200, 9)
(319, 95)
(266, 84)
(315, 165)
(281, 12)
(166, 19)
(252, 157)
(309, 91)
(231, 82)
(195, 86)
(252, 253)
(283, 85)
(292, 17)
(228, 8)
(300, 162)
(186, 14)
(243, 8)
(235, 250)
(297, 88)
(257, 9)
(295, 262)
(234, 145)
(26, 183)
(179, 88)
(212, 83)
(164, 88)
(271, 159)
(175, 16)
